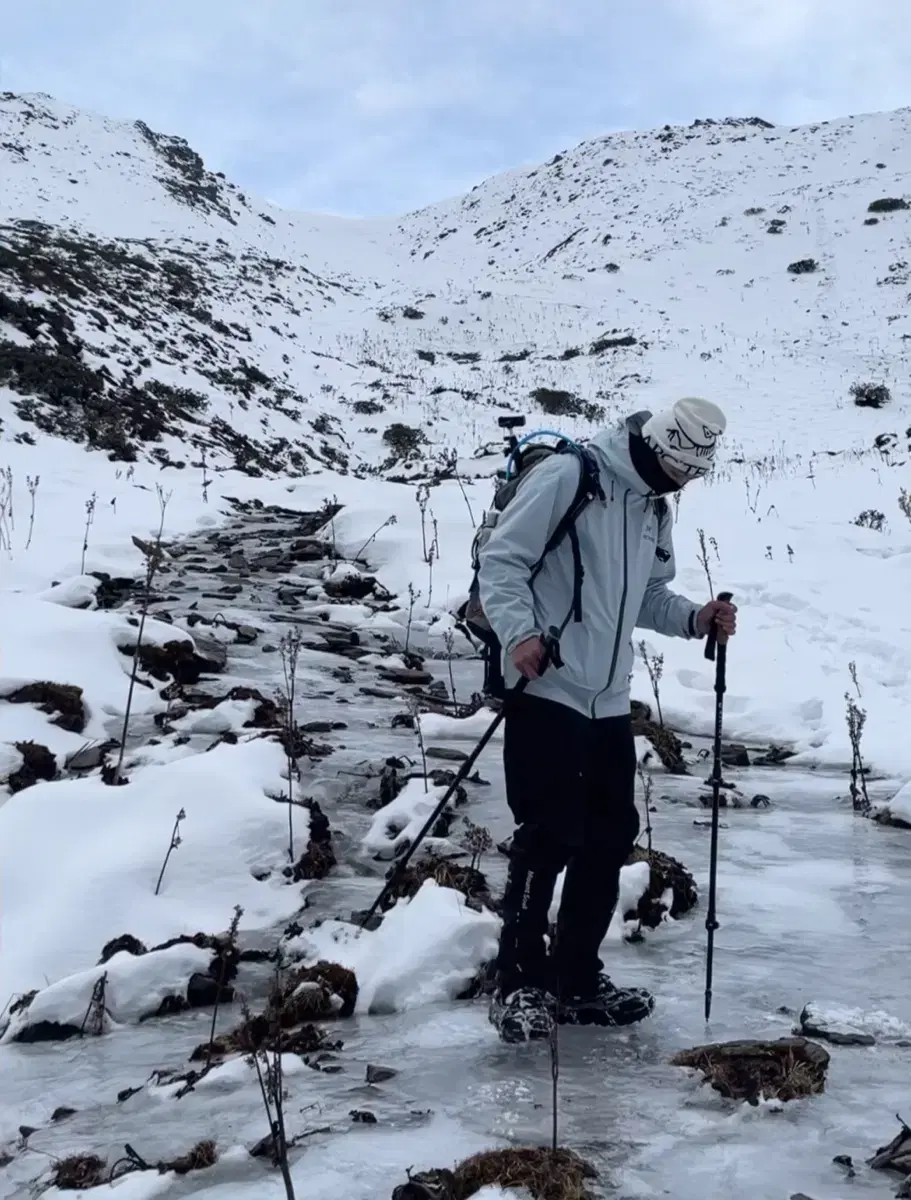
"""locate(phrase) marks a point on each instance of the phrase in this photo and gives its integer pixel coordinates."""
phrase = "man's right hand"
(528, 657)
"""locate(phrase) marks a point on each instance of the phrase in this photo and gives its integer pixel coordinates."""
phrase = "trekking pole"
(711, 924)
(551, 655)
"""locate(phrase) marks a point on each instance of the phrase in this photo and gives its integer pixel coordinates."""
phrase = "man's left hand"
(720, 613)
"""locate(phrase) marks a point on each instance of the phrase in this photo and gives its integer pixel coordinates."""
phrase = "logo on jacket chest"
(650, 538)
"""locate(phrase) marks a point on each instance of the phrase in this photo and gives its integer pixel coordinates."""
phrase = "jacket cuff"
(522, 637)
(693, 630)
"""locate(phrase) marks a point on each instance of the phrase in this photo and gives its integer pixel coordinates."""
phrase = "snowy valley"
(242, 456)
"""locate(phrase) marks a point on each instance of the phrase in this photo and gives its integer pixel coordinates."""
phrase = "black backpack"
(471, 614)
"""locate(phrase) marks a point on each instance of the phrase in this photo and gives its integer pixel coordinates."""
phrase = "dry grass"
(260, 1033)
(666, 744)
(786, 1069)
(547, 1174)
(445, 873)
(80, 1172)
(315, 993)
(202, 1155)
(665, 872)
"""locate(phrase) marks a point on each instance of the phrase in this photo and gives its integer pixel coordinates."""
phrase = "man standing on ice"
(569, 752)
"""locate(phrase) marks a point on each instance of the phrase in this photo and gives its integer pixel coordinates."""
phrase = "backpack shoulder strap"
(588, 489)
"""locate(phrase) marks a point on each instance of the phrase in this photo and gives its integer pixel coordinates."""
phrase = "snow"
(437, 727)
(106, 846)
(899, 807)
(398, 823)
(426, 950)
(144, 1185)
(134, 988)
(66, 646)
(811, 895)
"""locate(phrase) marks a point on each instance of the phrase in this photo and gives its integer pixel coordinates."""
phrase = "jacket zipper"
(622, 612)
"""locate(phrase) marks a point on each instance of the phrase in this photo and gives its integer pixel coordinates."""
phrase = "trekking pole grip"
(712, 639)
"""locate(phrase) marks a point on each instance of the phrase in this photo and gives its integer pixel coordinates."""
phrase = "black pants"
(570, 786)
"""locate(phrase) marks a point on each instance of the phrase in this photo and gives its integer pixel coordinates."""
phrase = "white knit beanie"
(684, 436)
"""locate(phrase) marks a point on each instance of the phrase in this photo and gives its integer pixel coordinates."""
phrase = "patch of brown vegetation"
(38, 764)
(79, 1172)
(666, 744)
(262, 1033)
(202, 1156)
(297, 744)
(319, 858)
(318, 992)
(547, 1174)
(62, 699)
(790, 1068)
(125, 943)
(445, 872)
(664, 872)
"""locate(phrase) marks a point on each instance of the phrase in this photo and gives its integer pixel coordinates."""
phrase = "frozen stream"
(814, 905)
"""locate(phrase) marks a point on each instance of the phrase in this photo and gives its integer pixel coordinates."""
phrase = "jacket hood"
(611, 447)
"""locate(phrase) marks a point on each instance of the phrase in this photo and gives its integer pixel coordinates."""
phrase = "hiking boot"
(607, 1005)
(523, 1015)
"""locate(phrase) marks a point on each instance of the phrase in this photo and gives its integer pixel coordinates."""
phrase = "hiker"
(569, 751)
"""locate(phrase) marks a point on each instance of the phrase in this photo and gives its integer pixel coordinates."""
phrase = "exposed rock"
(813, 1023)
(350, 587)
(404, 675)
(786, 1069)
(175, 660)
(362, 1116)
(212, 654)
(773, 757)
(62, 699)
(665, 873)
(89, 757)
(735, 755)
(37, 764)
(203, 990)
(46, 1031)
(896, 1156)
(379, 1074)
(450, 753)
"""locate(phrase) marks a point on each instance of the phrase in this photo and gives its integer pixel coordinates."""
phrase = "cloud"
(378, 106)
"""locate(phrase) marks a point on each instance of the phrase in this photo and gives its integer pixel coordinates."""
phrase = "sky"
(378, 107)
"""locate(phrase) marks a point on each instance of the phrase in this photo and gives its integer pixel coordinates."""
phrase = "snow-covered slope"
(177, 315)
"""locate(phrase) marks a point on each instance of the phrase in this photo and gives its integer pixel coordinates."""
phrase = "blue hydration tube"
(537, 433)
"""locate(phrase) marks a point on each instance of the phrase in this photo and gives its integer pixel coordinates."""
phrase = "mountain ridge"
(148, 305)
